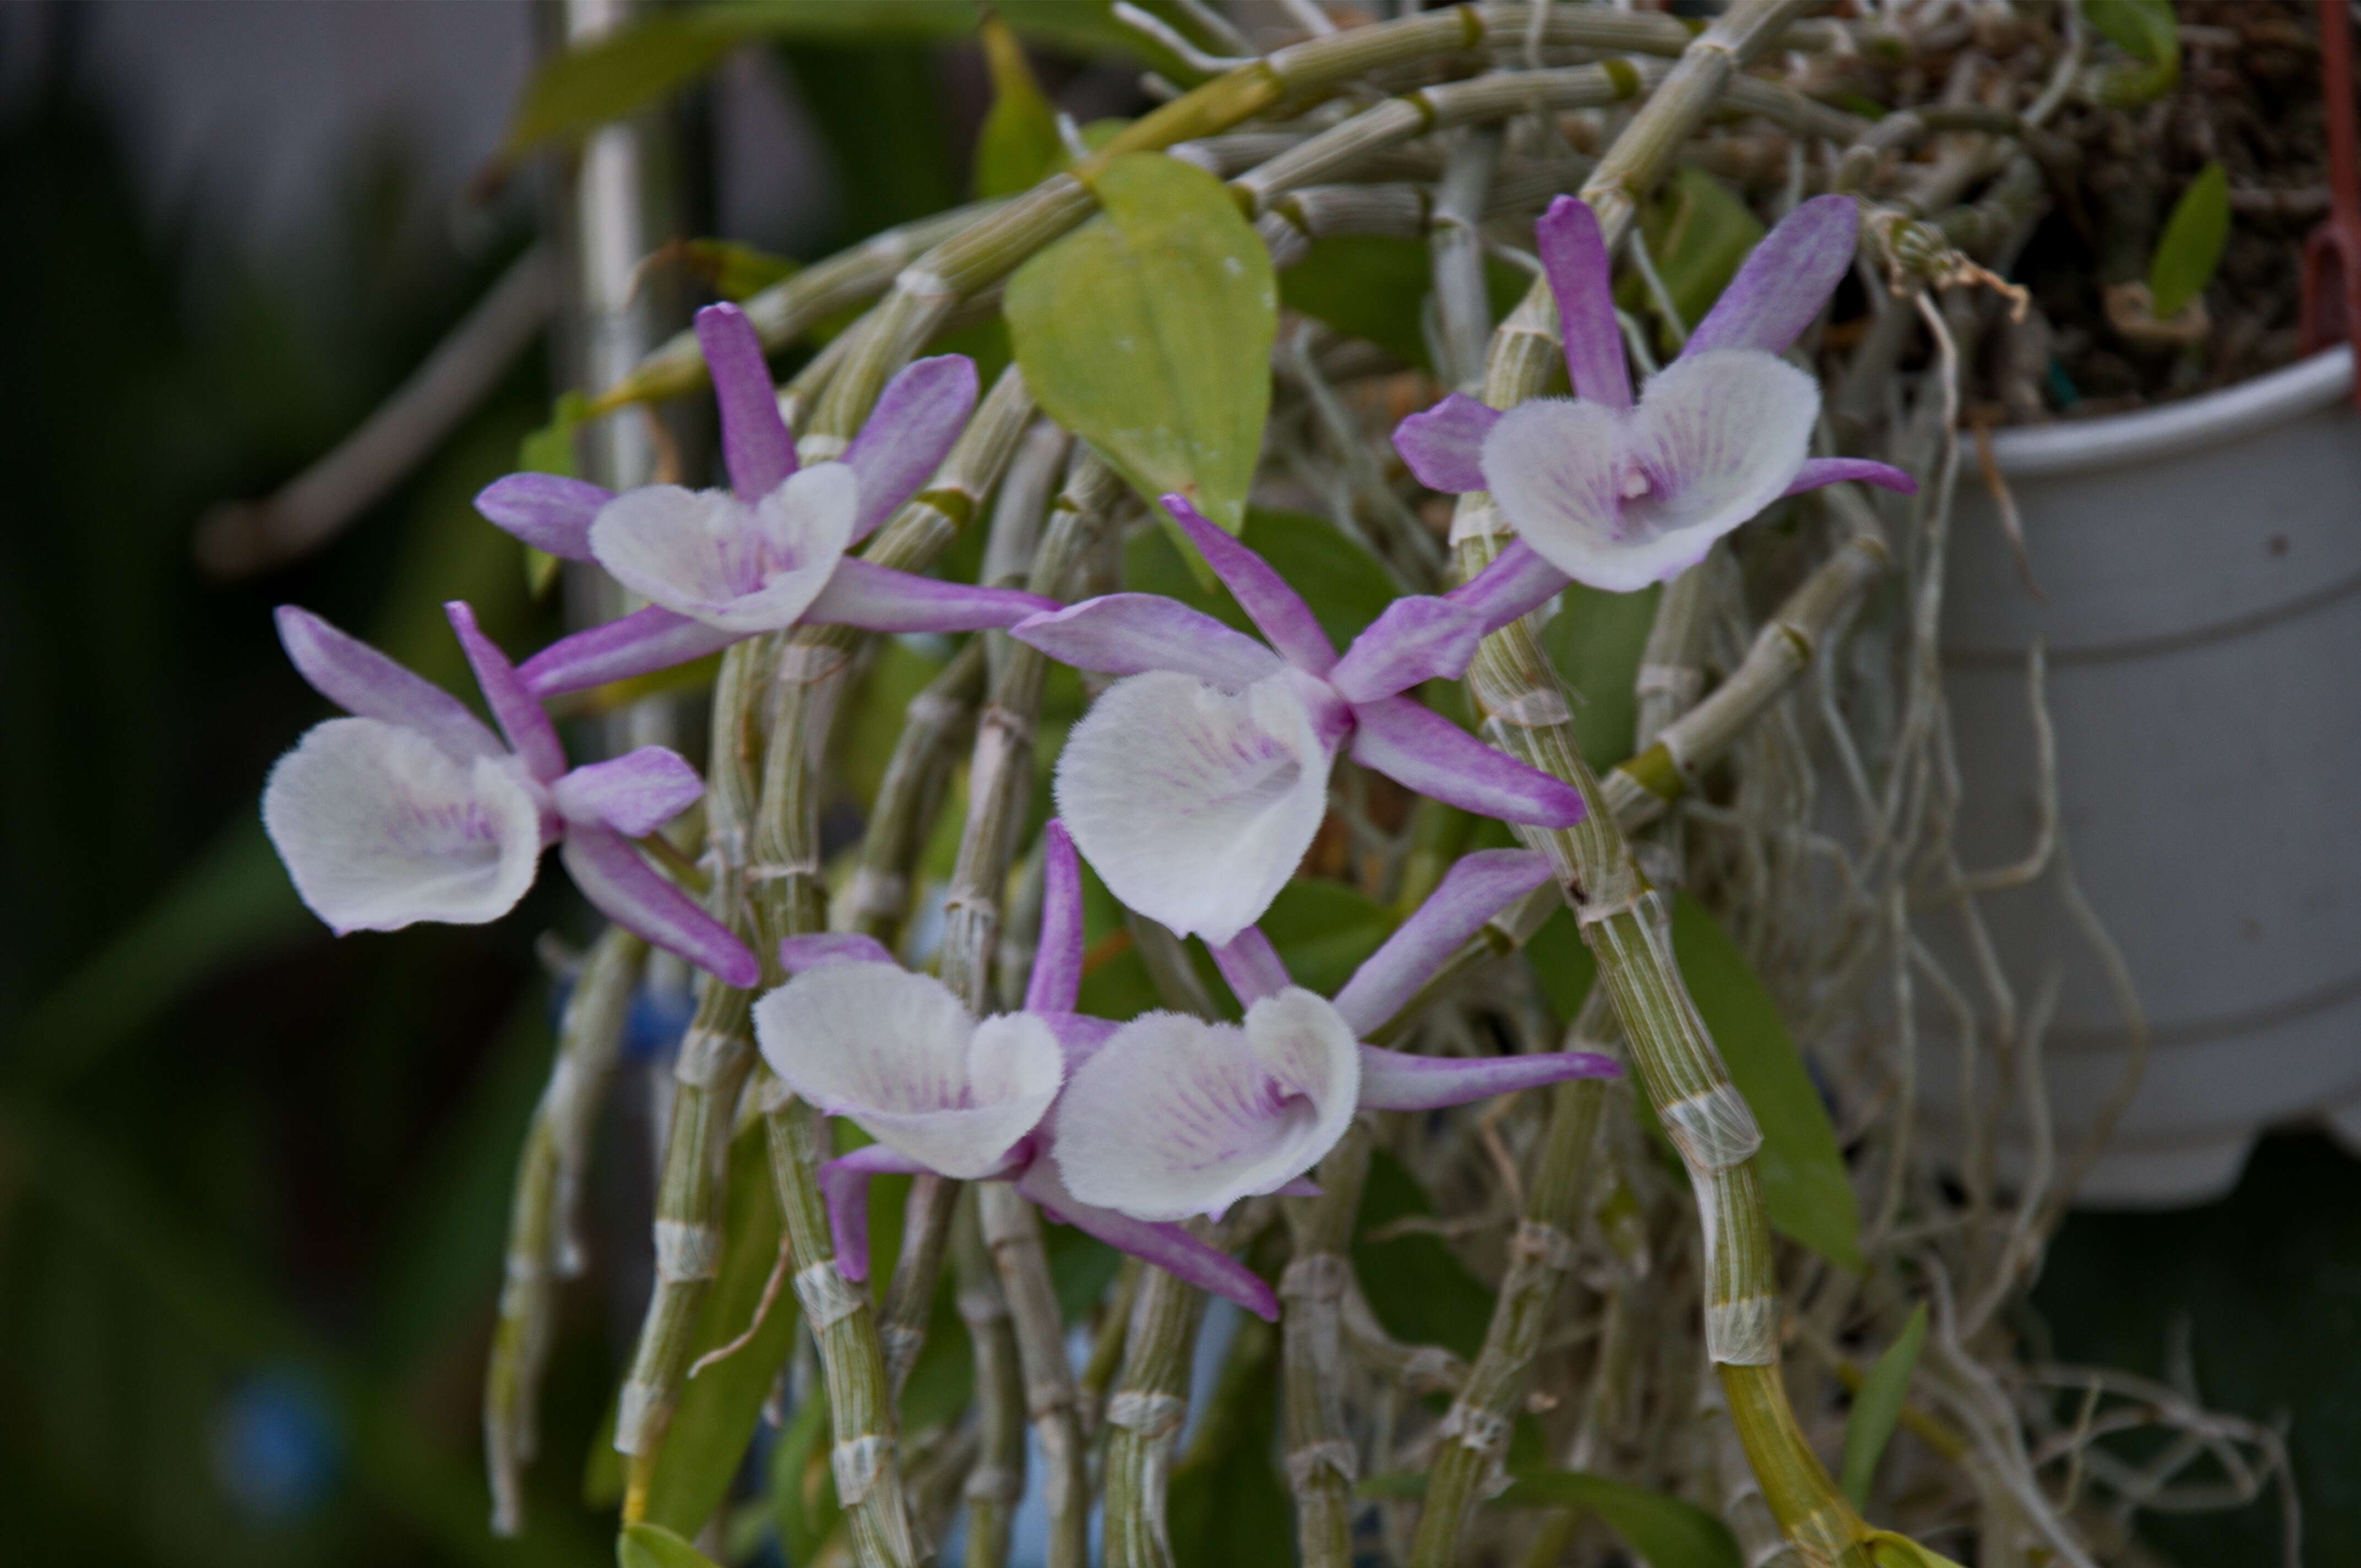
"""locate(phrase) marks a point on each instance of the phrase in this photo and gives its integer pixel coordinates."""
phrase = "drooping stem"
(1475, 1431)
(1322, 1464)
(543, 1245)
(1624, 921)
(997, 1481)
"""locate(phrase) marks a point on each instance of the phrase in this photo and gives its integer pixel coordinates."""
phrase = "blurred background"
(253, 1182)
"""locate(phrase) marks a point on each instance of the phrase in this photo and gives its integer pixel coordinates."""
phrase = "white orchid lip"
(1175, 1116)
(736, 566)
(900, 1056)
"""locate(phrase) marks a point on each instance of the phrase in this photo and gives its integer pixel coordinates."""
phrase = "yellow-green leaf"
(733, 270)
(1018, 146)
(645, 1545)
(1805, 1187)
(612, 76)
(721, 1405)
(1878, 1407)
(1667, 1532)
(1147, 332)
(2148, 32)
(2191, 249)
(1889, 1548)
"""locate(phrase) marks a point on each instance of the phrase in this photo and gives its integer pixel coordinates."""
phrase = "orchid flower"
(1619, 495)
(1196, 784)
(900, 1056)
(1175, 1116)
(720, 565)
(413, 809)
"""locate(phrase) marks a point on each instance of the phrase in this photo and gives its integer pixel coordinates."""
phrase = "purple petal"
(1301, 1186)
(1057, 977)
(1431, 755)
(1818, 471)
(548, 511)
(1251, 965)
(1129, 634)
(917, 417)
(1276, 610)
(1396, 1081)
(1518, 582)
(1442, 444)
(1573, 255)
(367, 684)
(797, 954)
(530, 732)
(1417, 638)
(845, 1185)
(635, 895)
(1785, 281)
(755, 445)
(879, 598)
(1476, 888)
(1168, 1246)
(636, 645)
(634, 794)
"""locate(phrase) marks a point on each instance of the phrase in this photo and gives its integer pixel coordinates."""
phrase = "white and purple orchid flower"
(413, 809)
(720, 565)
(1618, 494)
(1195, 784)
(1124, 1131)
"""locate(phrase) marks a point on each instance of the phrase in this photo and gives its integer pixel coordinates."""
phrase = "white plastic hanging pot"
(2202, 567)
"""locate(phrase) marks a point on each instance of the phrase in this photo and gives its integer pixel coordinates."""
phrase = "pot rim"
(2081, 446)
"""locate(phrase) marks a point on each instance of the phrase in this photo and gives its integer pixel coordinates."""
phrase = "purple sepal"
(1517, 583)
(517, 712)
(1445, 444)
(1396, 1081)
(1057, 977)
(1416, 639)
(1574, 257)
(755, 446)
(367, 684)
(1430, 755)
(1277, 611)
(1818, 471)
(639, 643)
(1784, 281)
(797, 954)
(1166, 1246)
(844, 1188)
(548, 511)
(634, 794)
(1251, 965)
(634, 895)
(917, 417)
(1476, 887)
(880, 598)
(1130, 634)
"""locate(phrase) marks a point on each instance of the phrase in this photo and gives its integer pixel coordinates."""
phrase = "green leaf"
(2148, 32)
(1879, 1405)
(1805, 1186)
(612, 76)
(802, 1488)
(1375, 286)
(1323, 931)
(1889, 1548)
(1697, 234)
(720, 1407)
(645, 1545)
(2191, 249)
(1148, 333)
(1415, 1283)
(1018, 146)
(1666, 1531)
(1596, 640)
(733, 270)
(1227, 1506)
